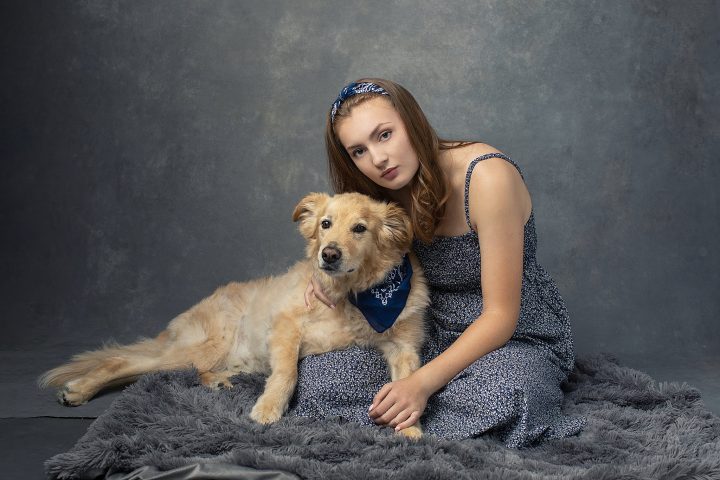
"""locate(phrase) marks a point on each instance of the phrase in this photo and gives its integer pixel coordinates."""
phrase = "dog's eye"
(359, 228)
(325, 224)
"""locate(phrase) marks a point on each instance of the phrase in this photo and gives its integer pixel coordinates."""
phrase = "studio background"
(155, 150)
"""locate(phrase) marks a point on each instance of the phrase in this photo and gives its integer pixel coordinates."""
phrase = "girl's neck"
(402, 197)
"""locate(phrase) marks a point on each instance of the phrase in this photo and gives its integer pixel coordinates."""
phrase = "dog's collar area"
(382, 303)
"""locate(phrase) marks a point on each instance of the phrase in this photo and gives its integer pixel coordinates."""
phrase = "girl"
(499, 342)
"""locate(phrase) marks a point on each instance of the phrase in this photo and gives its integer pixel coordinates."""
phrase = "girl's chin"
(396, 193)
(393, 187)
(395, 184)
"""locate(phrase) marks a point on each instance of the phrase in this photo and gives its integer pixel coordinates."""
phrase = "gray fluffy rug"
(636, 429)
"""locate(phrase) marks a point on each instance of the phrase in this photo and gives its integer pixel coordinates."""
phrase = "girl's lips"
(389, 172)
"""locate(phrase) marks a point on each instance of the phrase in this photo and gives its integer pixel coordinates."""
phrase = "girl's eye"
(355, 152)
(359, 228)
(385, 135)
(325, 224)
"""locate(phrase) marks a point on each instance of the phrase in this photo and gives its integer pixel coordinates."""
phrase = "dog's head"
(351, 232)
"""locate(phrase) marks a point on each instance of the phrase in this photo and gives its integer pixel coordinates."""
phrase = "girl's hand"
(313, 290)
(399, 404)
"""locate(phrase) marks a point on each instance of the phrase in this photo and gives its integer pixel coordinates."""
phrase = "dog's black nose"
(331, 254)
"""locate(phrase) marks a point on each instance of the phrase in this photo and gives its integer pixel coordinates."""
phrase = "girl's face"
(374, 136)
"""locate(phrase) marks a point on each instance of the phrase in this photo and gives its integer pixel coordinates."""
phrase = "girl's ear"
(308, 211)
(396, 228)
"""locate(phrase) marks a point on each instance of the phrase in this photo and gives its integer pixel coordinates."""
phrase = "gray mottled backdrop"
(153, 150)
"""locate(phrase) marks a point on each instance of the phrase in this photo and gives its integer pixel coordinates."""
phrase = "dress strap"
(469, 174)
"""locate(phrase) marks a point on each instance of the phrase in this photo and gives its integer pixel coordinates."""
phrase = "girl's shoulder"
(456, 161)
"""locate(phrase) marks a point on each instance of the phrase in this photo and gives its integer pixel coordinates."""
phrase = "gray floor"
(27, 442)
(701, 372)
(35, 427)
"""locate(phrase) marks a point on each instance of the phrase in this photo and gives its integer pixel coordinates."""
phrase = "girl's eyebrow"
(372, 134)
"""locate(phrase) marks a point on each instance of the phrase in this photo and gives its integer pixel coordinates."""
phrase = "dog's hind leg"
(199, 337)
(89, 372)
(122, 365)
(218, 380)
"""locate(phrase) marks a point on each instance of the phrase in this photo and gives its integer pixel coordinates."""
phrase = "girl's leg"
(340, 383)
(513, 391)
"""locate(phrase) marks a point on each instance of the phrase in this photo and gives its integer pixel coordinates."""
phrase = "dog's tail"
(83, 363)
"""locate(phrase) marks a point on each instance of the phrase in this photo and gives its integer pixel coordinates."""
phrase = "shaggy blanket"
(636, 428)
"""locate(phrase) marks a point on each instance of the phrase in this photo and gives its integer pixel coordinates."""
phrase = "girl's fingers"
(412, 420)
(324, 299)
(319, 294)
(389, 415)
(308, 294)
(379, 396)
(400, 418)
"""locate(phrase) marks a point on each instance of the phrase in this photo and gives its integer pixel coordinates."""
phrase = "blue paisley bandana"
(353, 89)
(382, 303)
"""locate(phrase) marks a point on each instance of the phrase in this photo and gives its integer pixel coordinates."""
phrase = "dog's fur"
(264, 326)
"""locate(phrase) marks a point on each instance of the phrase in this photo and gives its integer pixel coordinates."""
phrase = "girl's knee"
(328, 374)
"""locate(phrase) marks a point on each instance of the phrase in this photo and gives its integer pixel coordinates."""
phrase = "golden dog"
(263, 325)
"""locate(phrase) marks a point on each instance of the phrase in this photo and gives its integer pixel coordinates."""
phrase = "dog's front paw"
(266, 411)
(411, 432)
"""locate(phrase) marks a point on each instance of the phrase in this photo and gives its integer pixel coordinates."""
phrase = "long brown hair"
(429, 188)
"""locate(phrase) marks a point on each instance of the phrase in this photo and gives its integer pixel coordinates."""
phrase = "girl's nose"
(379, 157)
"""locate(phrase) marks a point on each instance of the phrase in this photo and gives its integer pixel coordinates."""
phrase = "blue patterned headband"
(353, 89)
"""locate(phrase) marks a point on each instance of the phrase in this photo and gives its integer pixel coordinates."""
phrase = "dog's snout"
(331, 254)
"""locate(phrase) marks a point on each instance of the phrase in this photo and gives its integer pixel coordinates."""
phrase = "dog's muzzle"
(332, 259)
(331, 256)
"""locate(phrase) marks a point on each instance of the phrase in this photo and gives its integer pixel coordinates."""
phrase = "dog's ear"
(308, 211)
(396, 228)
